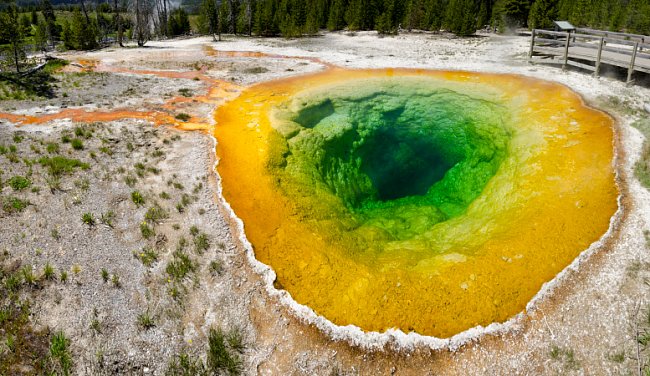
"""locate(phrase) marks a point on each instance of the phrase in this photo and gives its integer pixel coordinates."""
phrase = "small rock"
(646, 107)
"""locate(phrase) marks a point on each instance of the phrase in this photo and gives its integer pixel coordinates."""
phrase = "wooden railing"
(578, 48)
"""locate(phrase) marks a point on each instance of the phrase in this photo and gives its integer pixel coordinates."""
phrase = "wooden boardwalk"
(590, 49)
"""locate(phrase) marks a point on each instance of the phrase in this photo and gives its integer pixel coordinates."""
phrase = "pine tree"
(53, 29)
(435, 14)
(354, 14)
(542, 14)
(461, 17)
(639, 17)
(40, 36)
(265, 20)
(336, 19)
(13, 33)
(580, 13)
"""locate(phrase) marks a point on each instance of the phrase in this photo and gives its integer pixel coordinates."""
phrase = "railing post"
(632, 61)
(566, 51)
(532, 46)
(600, 54)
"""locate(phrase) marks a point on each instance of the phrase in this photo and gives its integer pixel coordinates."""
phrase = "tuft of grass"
(180, 266)
(115, 280)
(88, 219)
(183, 116)
(216, 267)
(63, 276)
(18, 183)
(164, 195)
(186, 365)
(48, 272)
(155, 214)
(105, 275)
(13, 204)
(146, 321)
(137, 198)
(130, 180)
(107, 218)
(235, 339)
(58, 165)
(201, 243)
(219, 358)
(146, 230)
(77, 144)
(53, 148)
(147, 256)
(60, 352)
(185, 92)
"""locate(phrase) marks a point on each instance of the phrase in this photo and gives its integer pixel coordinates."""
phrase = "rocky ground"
(132, 255)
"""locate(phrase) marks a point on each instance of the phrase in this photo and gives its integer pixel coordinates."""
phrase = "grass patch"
(155, 214)
(18, 183)
(137, 198)
(13, 204)
(146, 321)
(58, 165)
(180, 266)
(147, 256)
(77, 144)
(88, 219)
(146, 231)
(220, 358)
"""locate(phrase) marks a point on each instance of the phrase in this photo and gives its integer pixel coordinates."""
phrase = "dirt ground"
(124, 106)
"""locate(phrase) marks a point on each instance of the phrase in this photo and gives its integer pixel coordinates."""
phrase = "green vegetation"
(77, 144)
(18, 183)
(220, 358)
(60, 353)
(105, 275)
(13, 204)
(183, 116)
(146, 321)
(642, 167)
(147, 231)
(137, 198)
(180, 266)
(147, 256)
(88, 219)
(22, 347)
(58, 165)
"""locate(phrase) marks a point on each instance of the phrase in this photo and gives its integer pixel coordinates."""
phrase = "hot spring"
(426, 201)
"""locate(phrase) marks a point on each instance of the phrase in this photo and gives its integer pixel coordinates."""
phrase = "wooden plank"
(550, 41)
(581, 65)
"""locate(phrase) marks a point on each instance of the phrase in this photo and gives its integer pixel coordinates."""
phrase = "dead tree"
(143, 10)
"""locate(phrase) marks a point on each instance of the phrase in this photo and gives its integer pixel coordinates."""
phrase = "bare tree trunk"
(16, 57)
(249, 15)
(83, 9)
(119, 24)
(218, 21)
(231, 17)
